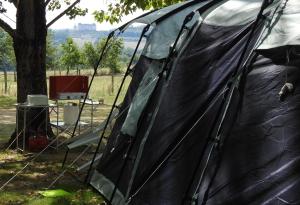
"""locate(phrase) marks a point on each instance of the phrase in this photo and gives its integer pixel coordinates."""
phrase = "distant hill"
(130, 36)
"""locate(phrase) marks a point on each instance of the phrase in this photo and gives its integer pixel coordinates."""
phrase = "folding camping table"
(25, 107)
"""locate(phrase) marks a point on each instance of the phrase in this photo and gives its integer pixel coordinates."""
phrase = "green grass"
(25, 188)
(79, 197)
(5, 131)
(101, 88)
(7, 101)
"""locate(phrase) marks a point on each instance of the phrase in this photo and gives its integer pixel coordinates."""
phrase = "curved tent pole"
(104, 51)
(127, 73)
(180, 8)
(216, 138)
(123, 27)
(121, 30)
(167, 72)
(164, 73)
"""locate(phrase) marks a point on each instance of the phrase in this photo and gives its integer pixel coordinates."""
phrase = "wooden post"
(5, 81)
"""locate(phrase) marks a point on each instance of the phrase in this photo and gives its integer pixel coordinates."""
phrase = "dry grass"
(101, 88)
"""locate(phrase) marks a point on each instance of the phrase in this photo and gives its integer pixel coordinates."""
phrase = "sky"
(65, 22)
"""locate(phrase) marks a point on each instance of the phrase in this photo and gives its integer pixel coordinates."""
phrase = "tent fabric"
(170, 155)
(141, 98)
(164, 34)
(181, 106)
(153, 17)
(261, 155)
(284, 28)
(235, 12)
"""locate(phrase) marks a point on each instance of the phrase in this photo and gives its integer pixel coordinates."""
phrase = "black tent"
(211, 114)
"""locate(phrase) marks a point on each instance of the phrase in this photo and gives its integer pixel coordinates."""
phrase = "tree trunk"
(30, 51)
(15, 76)
(112, 83)
(5, 81)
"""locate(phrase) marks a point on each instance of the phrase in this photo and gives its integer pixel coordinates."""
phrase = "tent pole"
(89, 88)
(165, 69)
(128, 71)
(215, 140)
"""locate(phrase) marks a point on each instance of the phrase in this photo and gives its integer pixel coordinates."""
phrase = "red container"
(37, 143)
(67, 84)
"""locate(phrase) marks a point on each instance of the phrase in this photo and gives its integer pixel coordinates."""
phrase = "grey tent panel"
(141, 98)
(285, 26)
(164, 34)
(106, 187)
(235, 12)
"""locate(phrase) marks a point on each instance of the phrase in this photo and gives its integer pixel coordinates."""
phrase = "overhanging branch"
(7, 28)
(47, 2)
(15, 2)
(62, 13)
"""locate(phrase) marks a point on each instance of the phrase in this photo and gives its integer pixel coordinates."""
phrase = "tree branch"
(47, 2)
(15, 2)
(62, 13)
(7, 28)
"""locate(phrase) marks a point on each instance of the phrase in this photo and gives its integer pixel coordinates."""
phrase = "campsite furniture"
(37, 99)
(93, 106)
(68, 87)
(25, 108)
(90, 137)
(71, 112)
(64, 88)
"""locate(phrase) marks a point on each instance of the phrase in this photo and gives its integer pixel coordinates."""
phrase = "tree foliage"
(7, 58)
(112, 58)
(51, 52)
(119, 8)
(72, 13)
(90, 55)
(71, 57)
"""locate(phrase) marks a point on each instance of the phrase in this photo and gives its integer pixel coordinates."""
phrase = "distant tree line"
(69, 56)
(7, 57)
(60, 36)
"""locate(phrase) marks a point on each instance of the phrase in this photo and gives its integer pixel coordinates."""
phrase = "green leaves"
(51, 52)
(54, 5)
(112, 59)
(90, 55)
(55, 193)
(117, 10)
(2, 9)
(75, 11)
(7, 57)
(71, 57)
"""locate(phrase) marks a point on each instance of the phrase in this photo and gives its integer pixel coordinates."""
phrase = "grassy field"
(101, 87)
(27, 186)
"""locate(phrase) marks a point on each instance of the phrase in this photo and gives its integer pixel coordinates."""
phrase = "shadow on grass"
(7, 101)
(5, 132)
(79, 197)
(39, 175)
